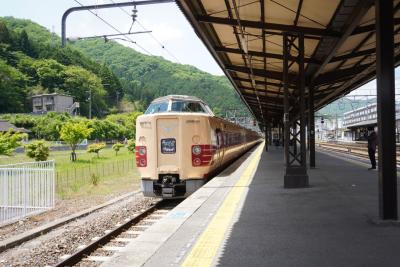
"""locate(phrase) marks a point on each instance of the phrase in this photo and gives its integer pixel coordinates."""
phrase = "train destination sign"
(168, 146)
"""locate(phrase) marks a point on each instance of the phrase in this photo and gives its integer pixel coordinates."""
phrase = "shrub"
(94, 179)
(131, 146)
(37, 150)
(95, 148)
(9, 141)
(117, 147)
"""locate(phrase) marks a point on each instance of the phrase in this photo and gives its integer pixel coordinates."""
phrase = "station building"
(357, 121)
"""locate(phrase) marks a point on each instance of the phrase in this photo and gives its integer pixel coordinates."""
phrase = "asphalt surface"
(332, 223)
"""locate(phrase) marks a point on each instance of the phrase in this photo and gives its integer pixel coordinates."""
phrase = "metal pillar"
(295, 159)
(286, 122)
(266, 136)
(270, 134)
(311, 126)
(386, 109)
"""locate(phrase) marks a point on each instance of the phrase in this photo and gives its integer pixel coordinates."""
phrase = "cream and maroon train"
(180, 144)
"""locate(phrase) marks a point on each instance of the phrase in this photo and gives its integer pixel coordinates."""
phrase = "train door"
(220, 146)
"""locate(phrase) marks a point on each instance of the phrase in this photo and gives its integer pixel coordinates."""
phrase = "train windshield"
(187, 106)
(157, 107)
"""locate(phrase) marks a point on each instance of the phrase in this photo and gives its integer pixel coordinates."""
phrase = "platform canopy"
(245, 37)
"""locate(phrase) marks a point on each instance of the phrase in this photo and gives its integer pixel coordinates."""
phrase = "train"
(181, 144)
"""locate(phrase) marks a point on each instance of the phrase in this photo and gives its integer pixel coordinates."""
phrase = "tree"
(95, 148)
(48, 126)
(50, 73)
(117, 147)
(12, 89)
(105, 130)
(37, 150)
(128, 120)
(131, 146)
(26, 45)
(111, 85)
(9, 141)
(74, 133)
(4, 34)
(79, 82)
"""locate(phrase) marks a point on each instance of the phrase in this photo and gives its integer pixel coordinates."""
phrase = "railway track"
(351, 149)
(101, 248)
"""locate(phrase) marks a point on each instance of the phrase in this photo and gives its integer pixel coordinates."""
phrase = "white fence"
(26, 189)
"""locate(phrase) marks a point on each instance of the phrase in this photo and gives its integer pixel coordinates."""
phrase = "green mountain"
(109, 69)
(147, 77)
(343, 105)
(31, 62)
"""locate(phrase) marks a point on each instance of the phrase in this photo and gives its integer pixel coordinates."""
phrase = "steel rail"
(93, 246)
(350, 150)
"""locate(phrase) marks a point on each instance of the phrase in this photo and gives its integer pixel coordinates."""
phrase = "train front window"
(186, 106)
(157, 107)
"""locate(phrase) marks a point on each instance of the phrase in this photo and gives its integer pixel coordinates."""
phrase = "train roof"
(178, 97)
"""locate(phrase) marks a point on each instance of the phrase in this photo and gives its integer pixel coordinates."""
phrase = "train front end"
(173, 147)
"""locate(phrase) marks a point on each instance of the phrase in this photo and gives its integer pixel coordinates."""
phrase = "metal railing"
(26, 189)
(82, 175)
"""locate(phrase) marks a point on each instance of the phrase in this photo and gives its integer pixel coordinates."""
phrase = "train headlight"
(141, 156)
(142, 150)
(196, 150)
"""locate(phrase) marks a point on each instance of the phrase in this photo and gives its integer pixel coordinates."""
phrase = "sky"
(168, 25)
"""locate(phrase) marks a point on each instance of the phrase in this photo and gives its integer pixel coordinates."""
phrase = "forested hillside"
(31, 62)
(343, 105)
(31, 58)
(146, 77)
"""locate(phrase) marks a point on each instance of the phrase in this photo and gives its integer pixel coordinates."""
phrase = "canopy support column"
(311, 126)
(386, 110)
(295, 138)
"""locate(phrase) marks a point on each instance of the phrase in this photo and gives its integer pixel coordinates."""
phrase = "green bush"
(37, 150)
(9, 141)
(131, 146)
(117, 147)
(94, 179)
(95, 148)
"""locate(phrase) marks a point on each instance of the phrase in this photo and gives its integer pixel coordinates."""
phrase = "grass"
(107, 185)
(115, 173)
(84, 159)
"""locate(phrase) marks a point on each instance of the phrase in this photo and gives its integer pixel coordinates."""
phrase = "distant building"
(330, 128)
(5, 126)
(358, 120)
(54, 102)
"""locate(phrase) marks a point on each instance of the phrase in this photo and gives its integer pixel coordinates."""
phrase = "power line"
(152, 35)
(114, 28)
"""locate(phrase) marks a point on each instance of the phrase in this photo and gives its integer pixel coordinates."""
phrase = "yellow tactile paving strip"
(206, 247)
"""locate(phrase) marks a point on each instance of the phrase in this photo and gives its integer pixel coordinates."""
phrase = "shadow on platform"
(327, 224)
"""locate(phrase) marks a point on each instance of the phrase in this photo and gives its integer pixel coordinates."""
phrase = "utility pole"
(117, 100)
(90, 104)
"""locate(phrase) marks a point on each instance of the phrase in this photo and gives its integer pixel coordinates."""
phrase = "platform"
(244, 217)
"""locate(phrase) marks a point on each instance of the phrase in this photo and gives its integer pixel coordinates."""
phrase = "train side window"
(220, 138)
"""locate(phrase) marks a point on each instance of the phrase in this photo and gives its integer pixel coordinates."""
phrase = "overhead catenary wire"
(151, 34)
(115, 29)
